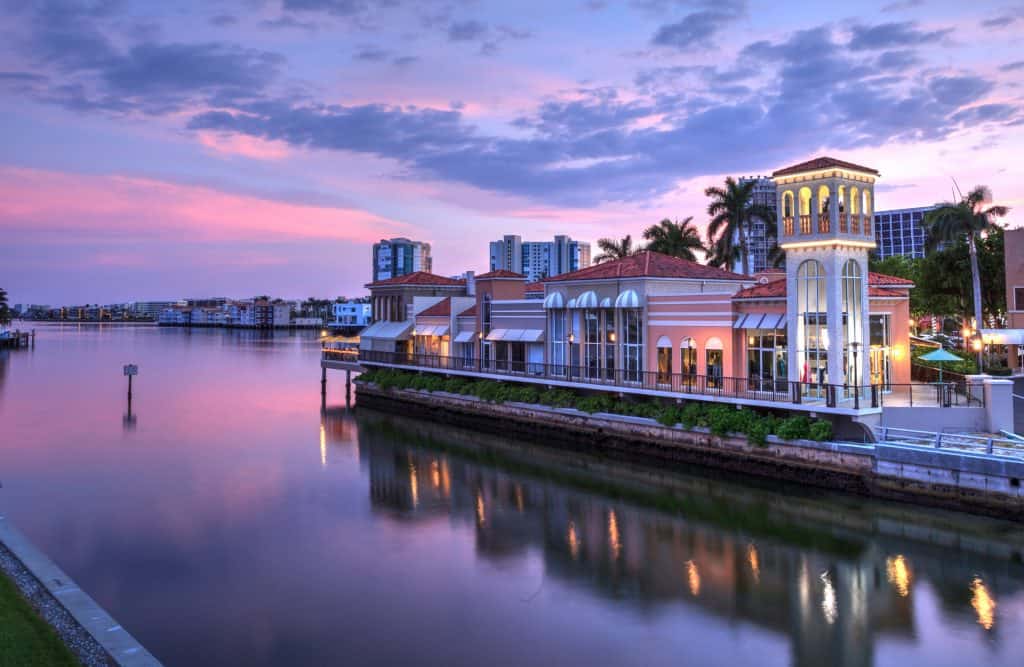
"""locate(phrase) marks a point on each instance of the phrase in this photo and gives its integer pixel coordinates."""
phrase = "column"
(833, 206)
(849, 210)
(815, 207)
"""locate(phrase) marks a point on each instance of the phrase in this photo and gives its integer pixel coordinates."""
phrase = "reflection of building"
(804, 568)
(539, 259)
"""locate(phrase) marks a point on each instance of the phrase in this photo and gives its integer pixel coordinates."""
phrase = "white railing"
(979, 444)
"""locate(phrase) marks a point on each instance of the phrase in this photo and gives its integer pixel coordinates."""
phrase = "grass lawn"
(26, 639)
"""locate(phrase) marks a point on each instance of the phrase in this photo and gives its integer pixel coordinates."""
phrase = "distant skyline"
(261, 147)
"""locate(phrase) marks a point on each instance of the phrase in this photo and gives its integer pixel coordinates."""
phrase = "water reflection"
(835, 590)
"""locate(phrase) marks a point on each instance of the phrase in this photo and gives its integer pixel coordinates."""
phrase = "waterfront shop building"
(822, 335)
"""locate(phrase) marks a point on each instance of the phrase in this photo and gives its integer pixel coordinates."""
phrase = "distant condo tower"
(398, 257)
(539, 259)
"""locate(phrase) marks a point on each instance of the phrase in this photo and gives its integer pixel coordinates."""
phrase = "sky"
(233, 148)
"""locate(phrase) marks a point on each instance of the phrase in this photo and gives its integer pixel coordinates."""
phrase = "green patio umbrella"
(940, 355)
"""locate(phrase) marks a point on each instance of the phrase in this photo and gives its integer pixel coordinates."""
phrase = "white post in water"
(130, 370)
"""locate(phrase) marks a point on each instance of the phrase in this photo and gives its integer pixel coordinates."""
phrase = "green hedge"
(720, 418)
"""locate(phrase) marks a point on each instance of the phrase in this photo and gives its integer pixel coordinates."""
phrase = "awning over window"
(387, 331)
(628, 299)
(432, 330)
(760, 321)
(554, 300)
(587, 300)
(516, 335)
(465, 337)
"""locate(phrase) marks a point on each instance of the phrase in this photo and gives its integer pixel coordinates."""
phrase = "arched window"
(854, 211)
(812, 324)
(841, 194)
(714, 362)
(853, 320)
(824, 214)
(805, 210)
(664, 346)
(787, 212)
(688, 363)
(866, 207)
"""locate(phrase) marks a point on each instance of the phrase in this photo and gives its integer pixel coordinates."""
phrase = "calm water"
(234, 522)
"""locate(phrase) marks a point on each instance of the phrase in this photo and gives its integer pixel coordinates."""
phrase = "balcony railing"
(787, 225)
(855, 223)
(842, 223)
(824, 223)
(712, 386)
(805, 224)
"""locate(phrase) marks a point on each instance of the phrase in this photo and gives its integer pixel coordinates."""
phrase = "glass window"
(609, 344)
(766, 358)
(632, 344)
(853, 319)
(664, 365)
(812, 325)
(591, 343)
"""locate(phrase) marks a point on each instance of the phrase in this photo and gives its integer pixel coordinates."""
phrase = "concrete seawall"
(939, 478)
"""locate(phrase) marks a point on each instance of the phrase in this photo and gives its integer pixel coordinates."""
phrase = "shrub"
(670, 416)
(692, 414)
(721, 418)
(759, 431)
(820, 430)
(648, 409)
(557, 398)
(523, 394)
(793, 428)
(592, 404)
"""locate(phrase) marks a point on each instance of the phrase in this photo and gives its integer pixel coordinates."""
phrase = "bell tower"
(826, 212)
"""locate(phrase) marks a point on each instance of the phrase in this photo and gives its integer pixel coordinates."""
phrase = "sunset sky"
(163, 150)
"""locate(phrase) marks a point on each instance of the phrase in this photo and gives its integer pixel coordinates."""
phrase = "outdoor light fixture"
(572, 338)
(897, 352)
(611, 337)
(976, 344)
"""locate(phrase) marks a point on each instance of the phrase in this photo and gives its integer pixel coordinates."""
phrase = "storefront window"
(664, 361)
(880, 337)
(632, 344)
(558, 336)
(688, 362)
(853, 320)
(766, 359)
(609, 344)
(591, 344)
(713, 359)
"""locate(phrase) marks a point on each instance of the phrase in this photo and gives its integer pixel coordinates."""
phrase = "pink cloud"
(40, 202)
(228, 145)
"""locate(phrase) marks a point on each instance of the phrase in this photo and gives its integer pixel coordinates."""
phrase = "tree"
(945, 284)
(972, 219)
(612, 249)
(679, 239)
(732, 213)
(910, 269)
(5, 311)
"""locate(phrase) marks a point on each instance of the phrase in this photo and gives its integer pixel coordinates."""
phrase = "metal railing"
(979, 444)
(941, 394)
(714, 386)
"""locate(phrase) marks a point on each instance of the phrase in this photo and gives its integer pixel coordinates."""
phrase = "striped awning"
(761, 321)
(554, 300)
(432, 330)
(587, 300)
(387, 331)
(465, 337)
(516, 335)
(627, 299)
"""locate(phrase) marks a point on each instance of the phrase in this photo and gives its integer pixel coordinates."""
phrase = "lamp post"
(855, 346)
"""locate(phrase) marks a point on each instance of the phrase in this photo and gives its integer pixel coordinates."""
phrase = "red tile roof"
(419, 278)
(442, 308)
(822, 163)
(500, 273)
(885, 279)
(776, 289)
(533, 287)
(469, 312)
(648, 264)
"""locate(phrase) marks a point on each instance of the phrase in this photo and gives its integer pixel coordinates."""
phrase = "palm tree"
(732, 213)
(612, 249)
(679, 239)
(970, 217)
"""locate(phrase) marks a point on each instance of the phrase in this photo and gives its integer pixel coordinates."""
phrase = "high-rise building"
(900, 232)
(539, 259)
(399, 257)
(760, 242)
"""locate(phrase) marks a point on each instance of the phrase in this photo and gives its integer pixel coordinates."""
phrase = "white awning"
(554, 300)
(432, 330)
(1003, 336)
(516, 335)
(465, 337)
(760, 321)
(628, 299)
(387, 330)
(606, 302)
(587, 300)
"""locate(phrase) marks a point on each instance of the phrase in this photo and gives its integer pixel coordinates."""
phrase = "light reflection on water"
(238, 523)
